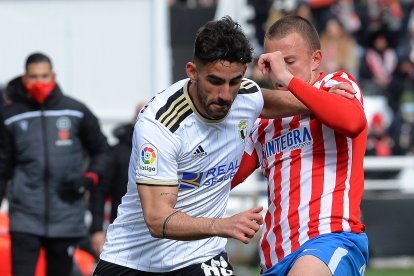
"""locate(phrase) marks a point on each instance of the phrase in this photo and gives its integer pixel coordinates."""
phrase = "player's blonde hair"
(295, 24)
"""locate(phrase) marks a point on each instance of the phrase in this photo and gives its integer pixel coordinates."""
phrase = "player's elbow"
(154, 225)
(357, 127)
(351, 130)
(353, 122)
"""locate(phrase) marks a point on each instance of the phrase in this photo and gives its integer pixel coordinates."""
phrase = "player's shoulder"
(331, 79)
(248, 86)
(339, 76)
(169, 107)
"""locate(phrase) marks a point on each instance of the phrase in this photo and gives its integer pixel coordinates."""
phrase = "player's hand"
(343, 89)
(273, 65)
(242, 226)
(74, 189)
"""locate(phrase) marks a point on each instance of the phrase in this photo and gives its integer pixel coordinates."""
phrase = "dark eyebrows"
(215, 78)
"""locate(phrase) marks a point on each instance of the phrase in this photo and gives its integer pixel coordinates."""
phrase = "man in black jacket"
(55, 153)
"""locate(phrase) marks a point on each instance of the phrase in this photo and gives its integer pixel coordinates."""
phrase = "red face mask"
(40, 90)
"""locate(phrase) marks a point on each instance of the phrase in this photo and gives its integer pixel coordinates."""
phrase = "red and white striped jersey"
(315, 173)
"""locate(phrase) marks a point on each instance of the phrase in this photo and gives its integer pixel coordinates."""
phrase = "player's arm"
(341, 114)
(165, 221)
(280, 103)
(249, 163)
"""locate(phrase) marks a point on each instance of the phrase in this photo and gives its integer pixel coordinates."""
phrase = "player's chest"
(204, 145)
(284, 138)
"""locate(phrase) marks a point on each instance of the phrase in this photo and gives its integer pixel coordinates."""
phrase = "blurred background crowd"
(371, 39)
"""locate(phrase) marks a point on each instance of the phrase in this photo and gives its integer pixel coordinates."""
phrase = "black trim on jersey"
(155, 185)
(174, 101)
(175, 126)
(247, 87)
(170, 100)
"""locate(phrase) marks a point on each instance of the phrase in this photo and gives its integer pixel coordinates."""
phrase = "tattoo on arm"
(166, 194)
(164, 226)
(210, 225)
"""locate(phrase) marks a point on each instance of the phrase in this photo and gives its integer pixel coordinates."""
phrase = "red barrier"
(84, 260)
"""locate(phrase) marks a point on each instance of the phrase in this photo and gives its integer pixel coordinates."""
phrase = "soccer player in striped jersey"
(313, 163)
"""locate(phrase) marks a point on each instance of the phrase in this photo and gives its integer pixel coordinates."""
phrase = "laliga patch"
(148, 161)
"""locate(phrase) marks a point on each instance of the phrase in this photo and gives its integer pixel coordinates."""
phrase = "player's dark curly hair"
(222, 40)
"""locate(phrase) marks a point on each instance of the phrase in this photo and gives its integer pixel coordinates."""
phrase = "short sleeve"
(156, 150)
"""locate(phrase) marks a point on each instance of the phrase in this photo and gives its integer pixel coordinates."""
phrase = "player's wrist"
(287, 78)
(211, 226)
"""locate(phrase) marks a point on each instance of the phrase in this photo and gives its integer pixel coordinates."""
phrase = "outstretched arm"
(343, 115)
(281, 103)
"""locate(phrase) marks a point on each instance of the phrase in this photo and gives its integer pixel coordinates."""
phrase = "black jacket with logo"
(48, 145)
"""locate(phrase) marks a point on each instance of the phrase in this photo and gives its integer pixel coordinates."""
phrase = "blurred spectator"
(322, 11)
(405, 49)
(193, 3)
(287, 7)
(379, 143)
(384, 13)
(280, 8)
(344, 10)
(261, 9)
(402, 127)
(120, 153)
(378, 64)
(304, 10)
(339, 49)
(402, 82)
(48, 135)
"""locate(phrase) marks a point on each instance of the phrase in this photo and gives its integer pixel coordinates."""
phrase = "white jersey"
(176, 146)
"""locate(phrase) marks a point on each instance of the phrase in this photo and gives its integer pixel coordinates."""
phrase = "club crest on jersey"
(24, 125)
(63, 125)
(148, 162)
(242, 130)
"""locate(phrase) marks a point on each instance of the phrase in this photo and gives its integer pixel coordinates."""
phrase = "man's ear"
(191, 69)
(316, 59)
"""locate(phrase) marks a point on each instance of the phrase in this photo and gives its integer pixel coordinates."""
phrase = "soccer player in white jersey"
(187, 146)
(313, 163)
